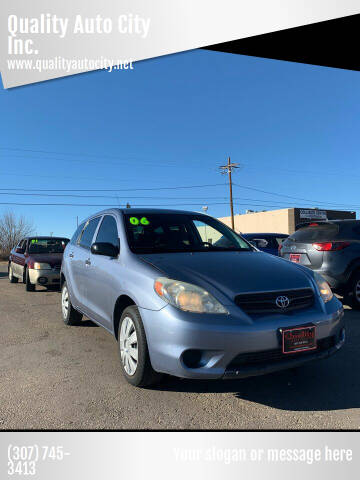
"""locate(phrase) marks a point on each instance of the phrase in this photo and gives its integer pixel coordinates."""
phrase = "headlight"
(42, 266)
(324, 288)
(187, 297)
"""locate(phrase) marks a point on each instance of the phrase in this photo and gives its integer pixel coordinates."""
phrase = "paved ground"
(58, 377)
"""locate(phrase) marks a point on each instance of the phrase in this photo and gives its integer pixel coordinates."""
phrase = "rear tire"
(353, 296)
(133, 350)
(12, 279)
(29, 287)
(69, 314)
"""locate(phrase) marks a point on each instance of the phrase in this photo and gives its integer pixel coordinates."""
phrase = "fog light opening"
(42, 280)
(193, 358)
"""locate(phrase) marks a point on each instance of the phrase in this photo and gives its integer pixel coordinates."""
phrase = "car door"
(102, 282)
(68, 264)
(79, 263)
(18, 259)
(14, 259)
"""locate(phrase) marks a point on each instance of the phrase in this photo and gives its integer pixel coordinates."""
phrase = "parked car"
(182, 305)
(37, 261)
(266, 242)
(331, 249)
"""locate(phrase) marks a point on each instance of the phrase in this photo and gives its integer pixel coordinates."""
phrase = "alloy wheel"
(128, 346)
(65, 302)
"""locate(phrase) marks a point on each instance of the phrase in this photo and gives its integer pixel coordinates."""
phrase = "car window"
(271, 242)
(47, 245)
(318, 233)
(76, 235)
(279, 241)
(108, 231)
(88, 233)
(210, 234)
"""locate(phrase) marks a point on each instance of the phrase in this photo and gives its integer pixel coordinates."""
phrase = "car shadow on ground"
(86, 323)
(4, 274)
(331, 384)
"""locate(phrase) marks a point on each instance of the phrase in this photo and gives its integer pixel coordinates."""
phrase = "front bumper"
(223, 338)
(44, 277)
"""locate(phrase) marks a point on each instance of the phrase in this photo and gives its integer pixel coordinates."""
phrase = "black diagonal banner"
(333, 43)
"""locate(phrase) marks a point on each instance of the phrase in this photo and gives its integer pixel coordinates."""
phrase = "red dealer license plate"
(298, 339)
(295, 257)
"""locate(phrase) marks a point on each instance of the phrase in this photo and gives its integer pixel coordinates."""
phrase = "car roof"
(45, 236)
(315, 223)
(139, 210)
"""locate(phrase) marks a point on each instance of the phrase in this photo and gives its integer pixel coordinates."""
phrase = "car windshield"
(164, 232)
(47, 245)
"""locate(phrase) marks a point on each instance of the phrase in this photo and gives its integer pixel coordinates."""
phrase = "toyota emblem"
(282, 301)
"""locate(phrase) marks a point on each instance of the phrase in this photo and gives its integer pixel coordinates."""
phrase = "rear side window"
(88, 233)
(279, 241)
(108, 232)
(76, 235)
(320, 233)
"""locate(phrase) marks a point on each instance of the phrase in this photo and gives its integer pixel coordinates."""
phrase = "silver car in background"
(184, 295)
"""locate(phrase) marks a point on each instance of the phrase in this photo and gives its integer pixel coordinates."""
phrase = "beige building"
(282, 221)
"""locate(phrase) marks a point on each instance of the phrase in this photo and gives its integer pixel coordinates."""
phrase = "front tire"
(69, 314)
(353, 297)
(29, 287)
(12, 279)
(133, 350)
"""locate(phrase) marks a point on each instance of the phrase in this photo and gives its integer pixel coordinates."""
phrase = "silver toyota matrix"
(185, 295)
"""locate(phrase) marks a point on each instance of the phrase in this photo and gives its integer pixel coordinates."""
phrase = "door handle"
(87, 262)
(71, 255)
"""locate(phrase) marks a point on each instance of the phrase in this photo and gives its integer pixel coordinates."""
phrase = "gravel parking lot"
(58, 377)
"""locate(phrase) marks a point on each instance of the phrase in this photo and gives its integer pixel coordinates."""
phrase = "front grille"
(275, 356)
(265, 302)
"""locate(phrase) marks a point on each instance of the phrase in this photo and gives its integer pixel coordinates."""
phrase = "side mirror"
(20, 250)
(260, 242)
(103, 248)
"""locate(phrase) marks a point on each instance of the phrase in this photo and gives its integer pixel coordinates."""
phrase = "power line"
(117, 197)
(147, 205)
(111, 189)
(282, 195)
(106, 205)
(67, 154)
(134, 157)
(10, 191)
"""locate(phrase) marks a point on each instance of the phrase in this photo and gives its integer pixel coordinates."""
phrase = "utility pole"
(227, 169)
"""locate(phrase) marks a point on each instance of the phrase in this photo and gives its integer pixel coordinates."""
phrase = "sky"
(170, 123)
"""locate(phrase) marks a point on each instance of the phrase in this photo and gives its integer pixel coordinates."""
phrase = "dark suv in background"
(332, 249)
(266, 242)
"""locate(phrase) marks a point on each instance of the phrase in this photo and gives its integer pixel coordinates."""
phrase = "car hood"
(52, 258)
(231, 273)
